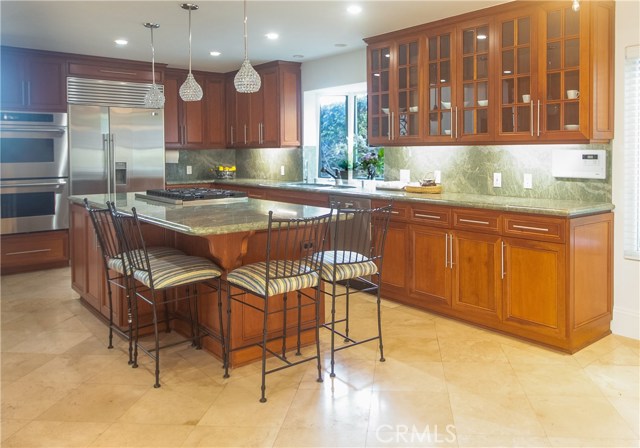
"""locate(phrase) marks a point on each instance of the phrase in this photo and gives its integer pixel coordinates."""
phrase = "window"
(343, 137)
(632, 152)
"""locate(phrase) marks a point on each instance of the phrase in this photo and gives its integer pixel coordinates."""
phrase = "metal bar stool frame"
(358, 241)
(141, 267)
(292, 245)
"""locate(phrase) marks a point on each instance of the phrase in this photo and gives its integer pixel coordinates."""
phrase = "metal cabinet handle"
(451, 251)
(456, 121)
(538, 118)
(420, 215)
(502, 260)
(62, 183)
(473, 221)
(245, 134)
(28, 93)
(446, 250)
(531, 116)
(232, 135)
(35, 251)
(37, 130)
(538, 229)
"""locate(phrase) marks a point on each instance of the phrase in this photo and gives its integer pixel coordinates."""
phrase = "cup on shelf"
(573, 94)
(572, 127)
(483, 103)
(447, 131)
(446, 104)
(526, 98)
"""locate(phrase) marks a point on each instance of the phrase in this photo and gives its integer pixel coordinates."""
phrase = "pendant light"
(190, 90)
(247, 79)
(154, 98)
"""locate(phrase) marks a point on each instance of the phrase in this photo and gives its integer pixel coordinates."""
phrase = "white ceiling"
(308, 28)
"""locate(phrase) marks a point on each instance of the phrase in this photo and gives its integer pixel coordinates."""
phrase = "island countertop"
(540, 206)
(206, 219)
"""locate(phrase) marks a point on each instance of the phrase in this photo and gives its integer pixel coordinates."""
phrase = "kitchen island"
(228, 234)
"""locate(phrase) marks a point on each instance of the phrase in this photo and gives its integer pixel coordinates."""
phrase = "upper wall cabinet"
(32, 81)
(521, 72)
(270, 117)
(394, 70)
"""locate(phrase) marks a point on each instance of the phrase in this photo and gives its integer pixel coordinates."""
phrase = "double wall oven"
(34, 172)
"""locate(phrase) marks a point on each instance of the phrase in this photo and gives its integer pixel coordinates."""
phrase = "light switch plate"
(189, 169)
(282, 170)
(437, 176)
(497, 180)
(528, 181)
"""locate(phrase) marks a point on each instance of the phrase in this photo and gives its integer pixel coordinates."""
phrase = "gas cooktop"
(193, 196)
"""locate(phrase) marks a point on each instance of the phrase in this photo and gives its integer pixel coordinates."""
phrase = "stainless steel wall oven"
(34, 172)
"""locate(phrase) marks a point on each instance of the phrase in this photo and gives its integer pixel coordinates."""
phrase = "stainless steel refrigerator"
(115, 149)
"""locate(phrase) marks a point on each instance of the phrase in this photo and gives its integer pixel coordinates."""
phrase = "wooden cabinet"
(394, 70)
(520, 72)
(33, 81)
(33, 251)
(270, 117)
(214, 100)
(113, 69)
(87, 271)
(184, 121)
(395, 271)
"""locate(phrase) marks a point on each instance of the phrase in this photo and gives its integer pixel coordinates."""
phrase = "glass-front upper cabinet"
(562, 56)
(517, 74)
(440, 91)
(394, 99)
(474, 94)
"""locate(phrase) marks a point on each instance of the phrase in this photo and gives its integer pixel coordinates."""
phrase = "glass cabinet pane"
(379, 92)
(523, 61)
(571, 22)
(445, 72)
(468, 41)
(508, 31)
(433, 49)
(508, 117)
(571, 53)
(475, 77)
(507, 62)
(439, 93)
(406, 115)
(553, 56)
(553, 86)
(467, 68)
(508, 92)
(524, 31)
(553, 25)
(445, 46)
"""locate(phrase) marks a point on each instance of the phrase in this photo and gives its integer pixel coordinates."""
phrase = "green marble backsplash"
(265, 163)
(201, 162)
(469, 169)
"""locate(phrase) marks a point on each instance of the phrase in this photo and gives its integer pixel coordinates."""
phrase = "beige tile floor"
(444, 384)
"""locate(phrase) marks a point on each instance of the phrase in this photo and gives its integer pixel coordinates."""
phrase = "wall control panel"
(579, 163)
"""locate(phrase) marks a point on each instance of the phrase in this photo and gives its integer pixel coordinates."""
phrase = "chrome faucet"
(333, 172)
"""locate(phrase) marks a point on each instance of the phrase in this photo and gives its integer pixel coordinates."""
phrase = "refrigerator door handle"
(112, 165)
(106, 148)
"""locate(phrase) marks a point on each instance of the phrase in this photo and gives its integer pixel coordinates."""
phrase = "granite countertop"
(208, 219)
(553, 207)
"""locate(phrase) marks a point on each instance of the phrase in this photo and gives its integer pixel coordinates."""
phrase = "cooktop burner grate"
(193, 195)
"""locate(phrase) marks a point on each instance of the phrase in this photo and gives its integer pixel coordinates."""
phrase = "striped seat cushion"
(253, 278)
(346, 265)
(177, 270)
(117, 265)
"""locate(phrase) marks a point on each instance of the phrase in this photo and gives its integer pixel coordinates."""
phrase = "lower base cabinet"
(25, 252)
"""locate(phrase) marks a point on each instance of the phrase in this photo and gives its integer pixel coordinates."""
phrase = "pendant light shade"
(190, 90)
(154, 98)
(247, 79)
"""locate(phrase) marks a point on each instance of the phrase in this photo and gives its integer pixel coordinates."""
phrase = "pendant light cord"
(246, 53)
(189, 39)
(153, 59)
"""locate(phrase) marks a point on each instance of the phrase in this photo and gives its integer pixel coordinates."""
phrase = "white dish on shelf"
(447, 131)
(571, 127)
(385, 110)
(445, 104)
(413, 109)
(483, 103)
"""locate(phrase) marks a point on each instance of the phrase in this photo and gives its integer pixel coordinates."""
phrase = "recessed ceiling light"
(339, 45)
(215, 53)
(271, 36)
(354, 9)
(298, 56)
(121, 42)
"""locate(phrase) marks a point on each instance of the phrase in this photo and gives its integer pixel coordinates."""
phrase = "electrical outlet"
(497, 180)
(282, 170)
(189, 169)
(437, 176)
(528, 181)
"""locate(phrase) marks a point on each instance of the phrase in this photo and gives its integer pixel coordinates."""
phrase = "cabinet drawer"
(29, 251)
(399, 210)
(476, 220)
(432, 216)
(535, 227)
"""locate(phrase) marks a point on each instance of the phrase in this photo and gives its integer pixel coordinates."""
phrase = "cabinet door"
(534, 286)
(215, 104)
(242, 129)
(431, 279)
(379, 94)
(172, 126)
(14, 89)
(565, 80)
(474, 96)
(95, 292)
(477, 287)
(440, 94)
(395, 272)
(193, 122)
(230, 115)
(78, 245)
(405, 119)
(46, 89)
(270, 123)
(256, 116)
(517, 75)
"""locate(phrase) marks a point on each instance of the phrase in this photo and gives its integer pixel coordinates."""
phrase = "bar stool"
(154, 277)
(355, 261)
(114, 266)
(290, 266)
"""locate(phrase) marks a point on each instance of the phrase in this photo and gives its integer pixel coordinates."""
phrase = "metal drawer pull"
(502, 260)
(446, 250)
(539, 229)
(29, 252)
(473, 221)
(420, 215)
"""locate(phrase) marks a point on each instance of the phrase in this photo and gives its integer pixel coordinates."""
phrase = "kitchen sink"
(310, 184)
